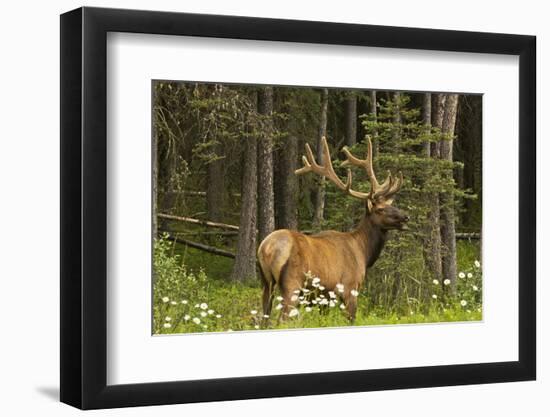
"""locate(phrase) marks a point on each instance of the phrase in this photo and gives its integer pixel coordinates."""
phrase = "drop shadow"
(50, 392)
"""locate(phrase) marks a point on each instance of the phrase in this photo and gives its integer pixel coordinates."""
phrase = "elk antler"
(388, 188)
(327, 171)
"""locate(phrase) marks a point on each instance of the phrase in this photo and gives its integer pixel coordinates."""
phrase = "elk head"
(378, 201)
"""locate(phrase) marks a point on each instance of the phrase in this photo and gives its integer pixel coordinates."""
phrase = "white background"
(133, 60)
(29, 172)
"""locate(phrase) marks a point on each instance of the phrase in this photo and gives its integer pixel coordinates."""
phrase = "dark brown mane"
(374, 236)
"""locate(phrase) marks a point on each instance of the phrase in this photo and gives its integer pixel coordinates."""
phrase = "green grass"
(214, 266)
(191, 287)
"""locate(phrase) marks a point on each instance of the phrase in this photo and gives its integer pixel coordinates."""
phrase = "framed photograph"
(257, 208)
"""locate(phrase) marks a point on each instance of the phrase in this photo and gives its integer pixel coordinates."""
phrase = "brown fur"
(285, 256)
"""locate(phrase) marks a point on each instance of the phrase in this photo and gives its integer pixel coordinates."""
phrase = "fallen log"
(458, 235)
(197, 221)
(202, 233)
(194, 193)
(201, 246)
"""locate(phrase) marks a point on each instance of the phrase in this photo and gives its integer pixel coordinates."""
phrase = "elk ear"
(370, 205)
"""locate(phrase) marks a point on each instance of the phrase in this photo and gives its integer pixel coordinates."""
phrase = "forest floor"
(207, 302)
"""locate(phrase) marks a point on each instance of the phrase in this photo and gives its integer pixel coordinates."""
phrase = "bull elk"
(340, 260)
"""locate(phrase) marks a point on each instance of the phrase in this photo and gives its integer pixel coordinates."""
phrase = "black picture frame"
(84, 207)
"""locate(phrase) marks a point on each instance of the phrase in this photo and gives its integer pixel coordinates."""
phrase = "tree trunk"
(427, 120)
(351, 119)
(432, 246)
(438, 108)
(286, 184)
(396, 98)
(468, 126)
(245, 258)
(266, 210)
(448, 238)
(374, 116)
(215, 188)
(320, 193)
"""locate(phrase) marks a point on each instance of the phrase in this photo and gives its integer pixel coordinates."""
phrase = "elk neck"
(372, 237)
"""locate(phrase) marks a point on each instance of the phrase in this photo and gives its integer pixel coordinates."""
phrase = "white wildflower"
(313, 301)
(461, 275)
(204, 306)
(168, 318)
(434, 296)
(342, 306)
(167, 325)
(436, 282)
(305, 290)
(266, 316)
(203, 314)
(165, 299)
(229, 330)
(197, 305)
(340, 287)
(321, 288)
(279, 306)
(174, 303)
(218, 316)
(316, 280)
(253, 312)
(323, 302)
(279, 298)
(331, 294)
(308, 309)
(294, 297)
(293, 312)
(355, 293)
(256, 327)
(204, 326)
(447, 281)
(210, 311)
(463, 303)
(474, 287)
(196, 320)
(186, 317)
(296, 291)
(331, 303)
(184, 301)
(477, 264)
(470, 275)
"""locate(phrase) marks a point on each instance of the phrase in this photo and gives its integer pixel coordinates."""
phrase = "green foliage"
(189, 302)
(173, 285)
(197, 124)
(398, 143)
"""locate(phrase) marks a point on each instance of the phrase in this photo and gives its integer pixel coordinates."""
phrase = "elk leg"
(290, 299)
(267, 299)
(351, 305)
(352, 308)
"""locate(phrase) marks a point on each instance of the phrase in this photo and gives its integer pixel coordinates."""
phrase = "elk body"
(340, 260)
